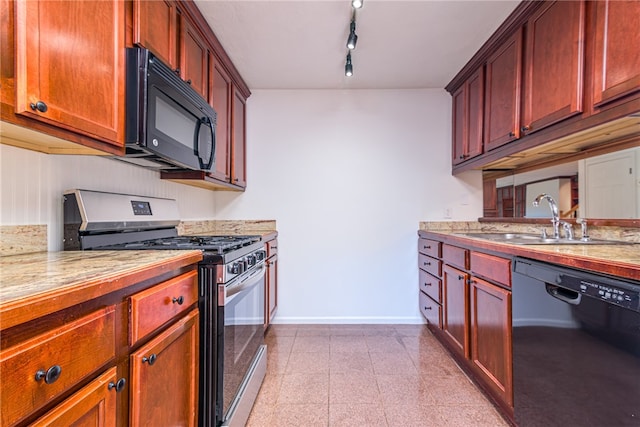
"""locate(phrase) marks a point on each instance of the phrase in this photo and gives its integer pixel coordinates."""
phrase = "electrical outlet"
(447, 213)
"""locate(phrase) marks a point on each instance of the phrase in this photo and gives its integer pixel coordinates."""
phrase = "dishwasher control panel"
(627, 298)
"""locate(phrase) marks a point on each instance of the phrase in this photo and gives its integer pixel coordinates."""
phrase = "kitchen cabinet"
(238, 140)
(271, 282)
(429, 273)
(617, 43)
(503, 92)
(68, 75)
(554, 64)
(194, 58)
(87, 361)
(474, 320)
(467, 118)
(220, 99)
(155, 27)
(164, 377)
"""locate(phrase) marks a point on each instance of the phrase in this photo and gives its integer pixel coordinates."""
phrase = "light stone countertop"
(61, 279)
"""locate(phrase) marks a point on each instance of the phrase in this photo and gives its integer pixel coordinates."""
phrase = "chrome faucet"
(555, 216)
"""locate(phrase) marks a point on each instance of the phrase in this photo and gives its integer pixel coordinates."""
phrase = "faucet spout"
(555, 216)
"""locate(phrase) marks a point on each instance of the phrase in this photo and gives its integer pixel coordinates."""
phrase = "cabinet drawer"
(272, 247)
(154, 307)
(431, 310)
(431, 265)
(491, 267)
(431, 286)
(455, 256)
(429, 247)
(75, 350)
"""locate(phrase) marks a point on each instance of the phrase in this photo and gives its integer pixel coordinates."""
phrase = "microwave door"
(205, 143)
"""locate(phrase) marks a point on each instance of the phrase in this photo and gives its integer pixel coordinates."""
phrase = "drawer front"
(155, 306)
(74, 351)
(456, 256)
(431, 310)
(430, 247)
(491, 267)
(272, 247)
(431, 286)
(431, 265)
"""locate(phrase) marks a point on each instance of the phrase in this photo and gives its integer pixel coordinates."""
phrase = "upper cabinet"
(238, 147)
(467, 118)
(554, 64)
(194, 58)
(69, 71)
(616, 57)
(220, 100)
(155, 27)
(553, 70)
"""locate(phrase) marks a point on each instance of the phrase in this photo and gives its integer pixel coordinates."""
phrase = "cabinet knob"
(525, 128)
(188, 81)
(427, 247)
(463, 156)
(50, 376)
(177, 71)
(427, 284)
(460, 277)
(426, 263)
(151, 359)
(178, 300)
(427, 308)
(119, 385)
(236, 179)
(512, 134)
(39, 106)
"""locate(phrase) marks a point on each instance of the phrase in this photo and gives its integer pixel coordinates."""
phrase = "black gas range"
(231, 290)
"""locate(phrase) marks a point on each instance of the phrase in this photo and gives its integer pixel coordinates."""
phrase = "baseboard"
(348, 320)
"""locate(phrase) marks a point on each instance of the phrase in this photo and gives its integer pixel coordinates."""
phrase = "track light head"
(353, 37)
(348, 68)
(357, 4)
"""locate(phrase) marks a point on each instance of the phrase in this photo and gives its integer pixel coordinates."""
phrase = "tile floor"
(365, 375)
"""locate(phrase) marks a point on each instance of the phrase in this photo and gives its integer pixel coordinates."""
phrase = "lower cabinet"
(271, 282)
(164, 377)
(474, 319)
(126, 358)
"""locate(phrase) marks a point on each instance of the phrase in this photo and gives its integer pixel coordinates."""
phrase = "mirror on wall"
(604, 186)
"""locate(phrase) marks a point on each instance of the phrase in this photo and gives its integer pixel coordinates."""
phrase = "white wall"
(348, 175)
(32, 184)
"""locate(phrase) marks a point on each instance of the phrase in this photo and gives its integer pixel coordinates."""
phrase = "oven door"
(241, 308)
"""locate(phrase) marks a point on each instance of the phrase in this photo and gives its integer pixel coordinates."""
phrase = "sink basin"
(536, 239)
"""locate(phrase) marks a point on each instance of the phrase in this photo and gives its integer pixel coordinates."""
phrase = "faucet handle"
(583, 224)
(568, 229)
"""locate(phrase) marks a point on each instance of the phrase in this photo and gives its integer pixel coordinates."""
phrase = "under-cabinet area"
(504, 311)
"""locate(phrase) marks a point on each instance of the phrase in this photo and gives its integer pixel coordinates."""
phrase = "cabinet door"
(459, 125)
(93, 406)
(502, 95)
(164, 377)
(617, 47)
(491, 336)
(455, 304)
(70, 65)
(155, 28)
(467, 118)
(272, 281)
(221, 91)
(194, 58)
(238, 153)
(554, 64)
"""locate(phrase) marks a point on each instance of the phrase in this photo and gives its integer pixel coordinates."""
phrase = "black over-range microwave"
(168, 124)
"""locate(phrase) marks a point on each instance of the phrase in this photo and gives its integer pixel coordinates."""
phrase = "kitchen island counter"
(40, 283)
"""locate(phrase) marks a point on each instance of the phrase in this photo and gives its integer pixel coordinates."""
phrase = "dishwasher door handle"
(563, 294)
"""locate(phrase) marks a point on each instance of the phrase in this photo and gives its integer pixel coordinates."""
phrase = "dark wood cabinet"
(467, 118)
(155, 27)
(164, 377)
(69, 66)
(502, 93)
(455, 308)
(271, 281)
(238, 140)
(554, 64)
(194, 58)
(616, 52)
(490, 326)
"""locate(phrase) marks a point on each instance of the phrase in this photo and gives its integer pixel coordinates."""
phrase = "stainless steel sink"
(537, 239)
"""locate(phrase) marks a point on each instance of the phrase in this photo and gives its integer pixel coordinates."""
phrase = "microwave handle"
(196, 148)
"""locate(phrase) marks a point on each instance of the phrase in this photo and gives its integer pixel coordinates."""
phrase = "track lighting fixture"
(357, 4)
(348, 67)
(353, 37)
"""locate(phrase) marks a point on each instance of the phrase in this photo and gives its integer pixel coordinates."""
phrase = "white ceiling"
(300, 44)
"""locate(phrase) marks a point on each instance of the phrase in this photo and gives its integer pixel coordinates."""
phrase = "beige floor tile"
(278, 344)
(276, 362)
(356, 415)
(270, 390)
(308, 363)
(430, 364)
(385, 344)
(347, 344)
(299, 415)
(350, 362)
(411, 415)
(311, 344)
(353, 388)
(304, 388)
(314, 330)
(476, 416)
(457, 390)
(282, 330)
(403, 389)
(393, 363)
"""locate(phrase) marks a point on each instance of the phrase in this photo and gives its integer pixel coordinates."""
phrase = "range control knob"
(260, 255)
(251, 260)
(235, 268)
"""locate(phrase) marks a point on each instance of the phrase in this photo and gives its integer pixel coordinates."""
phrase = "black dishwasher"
(576, 347)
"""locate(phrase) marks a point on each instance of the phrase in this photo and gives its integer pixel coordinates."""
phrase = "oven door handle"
(227, 293)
